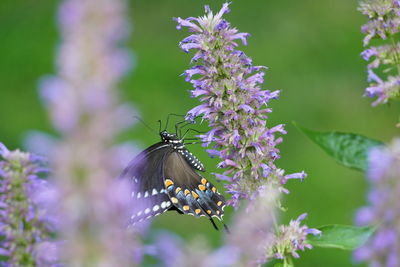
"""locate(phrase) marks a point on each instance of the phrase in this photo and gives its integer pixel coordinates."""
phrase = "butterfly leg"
(179, 128)
(213, 223)
(171, 114)
(191, 129)
(176, 209)
(193, 143)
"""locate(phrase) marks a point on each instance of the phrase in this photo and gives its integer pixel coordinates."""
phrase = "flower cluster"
(234, 105)
(83, 103)
(24, 224)
(384, 23)
(383, 209)
(196, 252)
(292, 238)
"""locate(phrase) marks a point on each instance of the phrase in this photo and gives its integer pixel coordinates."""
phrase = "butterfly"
(165, 176)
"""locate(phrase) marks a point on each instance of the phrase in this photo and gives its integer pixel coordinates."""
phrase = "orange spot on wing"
(209, 211)
(186, 208)
(187, 192)
(202, 187)
(214, 189)
(178, 189)
(197, 211)
(174, 200)
(203, 181)
(196, 196)
(219, 203)
(168, 182)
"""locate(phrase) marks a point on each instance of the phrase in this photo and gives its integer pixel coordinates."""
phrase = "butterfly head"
(169, 137)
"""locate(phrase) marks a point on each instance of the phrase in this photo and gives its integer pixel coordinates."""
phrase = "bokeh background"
(312, 49)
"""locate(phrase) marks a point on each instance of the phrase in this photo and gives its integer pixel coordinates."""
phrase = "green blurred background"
(311, 47)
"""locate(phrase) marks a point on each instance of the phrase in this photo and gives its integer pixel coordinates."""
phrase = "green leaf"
(345, 237)
(348, 149)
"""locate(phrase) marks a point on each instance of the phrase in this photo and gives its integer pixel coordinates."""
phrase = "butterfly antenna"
(213, 223)
(177, 126)
(147, 126)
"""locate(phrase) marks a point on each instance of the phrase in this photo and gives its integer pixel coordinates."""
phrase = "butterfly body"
(164, 177)
(178, 145)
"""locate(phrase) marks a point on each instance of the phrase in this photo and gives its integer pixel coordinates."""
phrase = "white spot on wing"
(156, 207)
(154, 192)
(146, 211)
(146, 194)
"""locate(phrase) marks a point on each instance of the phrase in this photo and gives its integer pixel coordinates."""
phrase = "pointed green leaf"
(348, 149)
(341, 236)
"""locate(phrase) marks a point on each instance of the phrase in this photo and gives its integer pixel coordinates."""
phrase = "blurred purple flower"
(384, 23)
(90, 63)
(254, 235)
(172, 252)
(48, 254)
(252, 231)
(40, 143)
(45, 144)
(229, 87)
(383, 208)
(84, 106)
(25, 224)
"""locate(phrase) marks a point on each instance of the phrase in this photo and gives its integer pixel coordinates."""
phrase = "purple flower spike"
(19, 190)
(383, 207)
(383, 23)
(236, 108)
(253, 229)
(83, 102)
(234, 104)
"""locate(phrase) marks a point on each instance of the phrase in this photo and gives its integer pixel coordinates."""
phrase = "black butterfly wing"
(188, 191)
(146, 173)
